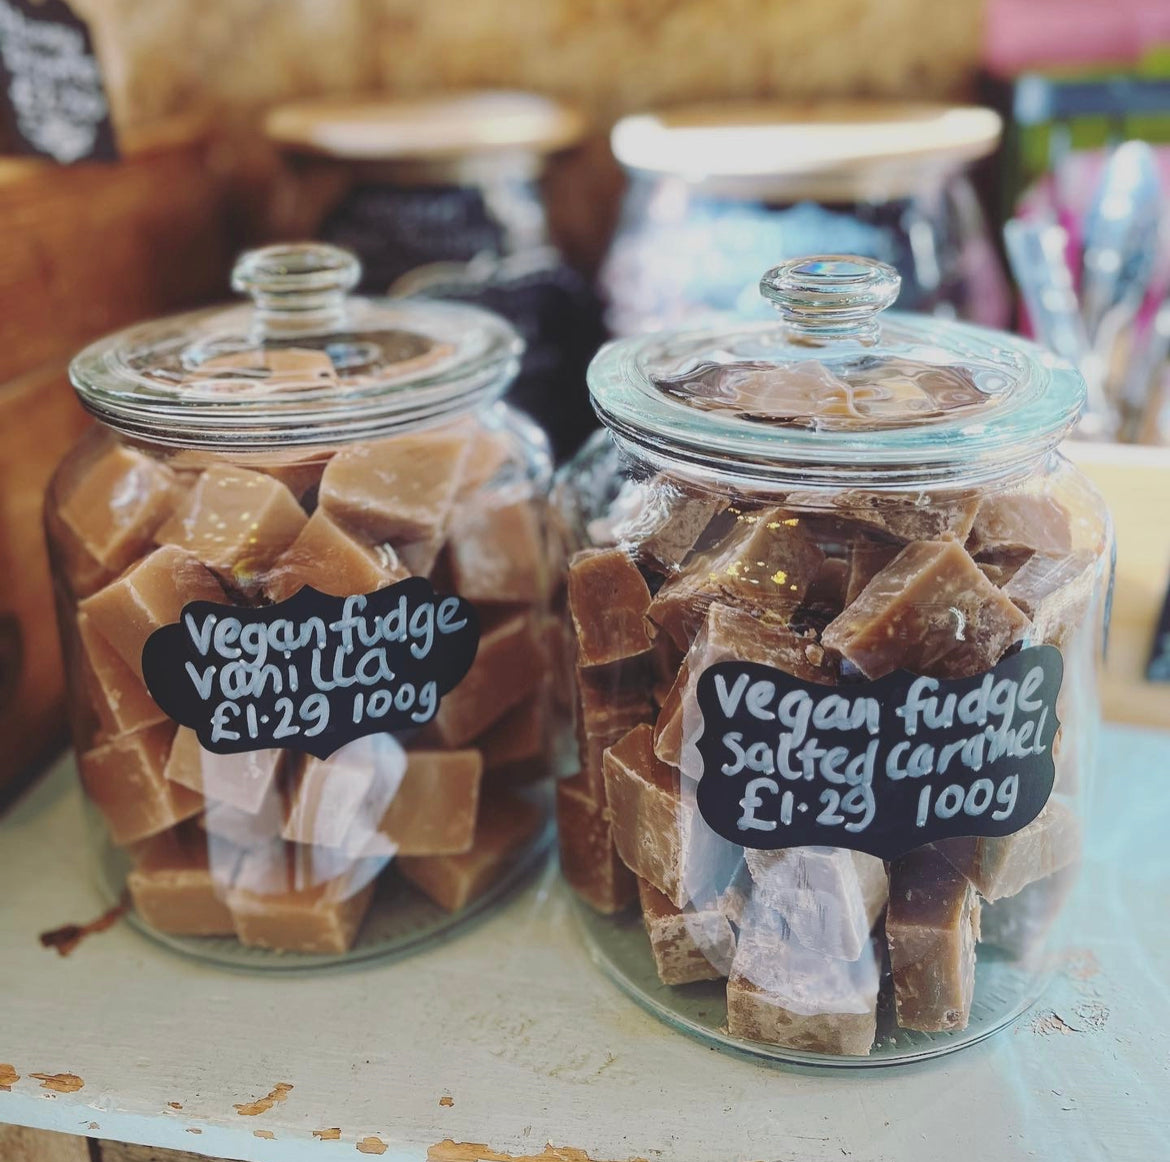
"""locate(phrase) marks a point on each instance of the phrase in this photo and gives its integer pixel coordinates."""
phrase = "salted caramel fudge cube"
(116, 506)
(508, 668)
(766, 564)
(146, 597)
(1019, 925)
(332, 561)
(173, 888)
(125, 780)
(830, 897)
(931, 611)
(1001, 866)
(900, 517)
(608, 601)
(321, 919)
(866, 560)
(236, 522)
(1055, 593)
(663, 522)
(435, 807)
(120, 698)
(688, 944)
(505, 826)
(589, 861)
(243, 781)
(1020, 522)
(730, 634)
(781, 993)
(497, 551)
(932, 925)
(400, 490)
(340, 801)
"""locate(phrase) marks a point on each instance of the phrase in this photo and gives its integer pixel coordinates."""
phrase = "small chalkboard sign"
(53, 101)
(314, 672)
(883, 766)
(1158, 667)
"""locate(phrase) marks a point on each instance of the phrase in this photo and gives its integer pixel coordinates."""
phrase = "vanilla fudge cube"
(497, 550)
(435, 807)
(125, 780)
(608, 600)
(173, 889)
(932, 926)
(589, 861)
(145, 598)
(120, 698)
(331, 560)
(244, 781)
(931, 611)
(399, 490)
(830, 897)
(687, 944)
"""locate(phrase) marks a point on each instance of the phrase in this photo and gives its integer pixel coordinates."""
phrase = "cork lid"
(305, 362)
(427, 129)
(830, 151)
(839, 387)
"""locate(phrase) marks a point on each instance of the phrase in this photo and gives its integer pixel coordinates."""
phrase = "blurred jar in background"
(440, 198)
(882, 180)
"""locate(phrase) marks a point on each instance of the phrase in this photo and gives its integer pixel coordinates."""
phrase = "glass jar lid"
(305, 363)
(837, 391)
(833, 151)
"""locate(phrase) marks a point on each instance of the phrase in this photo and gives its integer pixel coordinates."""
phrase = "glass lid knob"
(832, 296)
(298, 288)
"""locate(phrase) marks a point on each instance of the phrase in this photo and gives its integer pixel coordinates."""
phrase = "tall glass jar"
(838, 604)
(714, 188)
(303, 569)
(441, 197)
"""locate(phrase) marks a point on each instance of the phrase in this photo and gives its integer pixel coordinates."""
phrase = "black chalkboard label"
(1158, 667)
(313, 672)
(881, 767)
(52, 99)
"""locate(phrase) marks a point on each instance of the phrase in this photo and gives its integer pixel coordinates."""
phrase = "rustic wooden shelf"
(507, 1035)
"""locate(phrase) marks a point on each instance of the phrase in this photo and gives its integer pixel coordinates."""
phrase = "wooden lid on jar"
(482, 127)
(826, 151)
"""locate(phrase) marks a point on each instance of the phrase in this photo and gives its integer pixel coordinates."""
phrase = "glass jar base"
(401, 920)
(618, 945)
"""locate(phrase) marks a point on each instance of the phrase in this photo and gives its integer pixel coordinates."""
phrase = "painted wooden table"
(506, 1039)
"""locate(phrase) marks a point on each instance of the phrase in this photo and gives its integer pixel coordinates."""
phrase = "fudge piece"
(320, 919)
(735, 899)
(244, 780)
(1019, 925)
(332, 561)
(729, 634)
(246, 831)
(399, 490)
(1020, 523)
(1055, 593)
(236, 522)
(508, 668)
(120, 698)
(931, 611)
(781, 993)
(894, 516)
(657, 829)
(1001, 866)
(608, 601)
(116, 506)
(607, 709)
(589, 860)
(932, 924)
(490, 451)
(662, 522)
(687, 944)
(435, 807)
(340, 801)
(150, 595)
(830, 897)
(767, 563)
(173, 889)
(421, 557)
(124, 779)
(516, 749)
(866, 560)
(827, 591)
(299, 472)
(497, 551)
(1000, 572)
(506, 824)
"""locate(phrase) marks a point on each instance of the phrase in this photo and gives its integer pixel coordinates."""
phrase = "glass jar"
(303, 569)
(440, 197)
(838, 604)
(714, 187)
